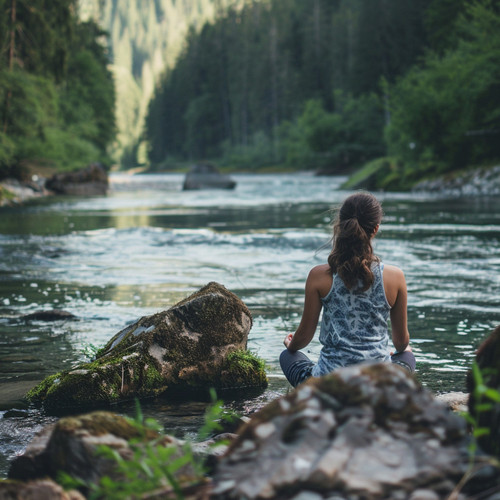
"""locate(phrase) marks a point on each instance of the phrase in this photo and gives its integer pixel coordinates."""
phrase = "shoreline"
(479, 182)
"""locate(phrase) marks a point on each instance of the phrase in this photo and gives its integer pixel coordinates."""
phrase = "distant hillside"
(146, 36)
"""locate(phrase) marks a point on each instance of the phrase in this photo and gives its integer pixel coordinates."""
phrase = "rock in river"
(89, 181)
(367, 432)
(207, 176)
(197, 344)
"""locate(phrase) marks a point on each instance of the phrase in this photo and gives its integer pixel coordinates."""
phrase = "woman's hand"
(288, 339)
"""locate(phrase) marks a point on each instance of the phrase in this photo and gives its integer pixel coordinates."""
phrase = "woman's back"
(357, 298)
(354, 324)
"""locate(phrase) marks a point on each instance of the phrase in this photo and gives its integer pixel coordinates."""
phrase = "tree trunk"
(12, 45)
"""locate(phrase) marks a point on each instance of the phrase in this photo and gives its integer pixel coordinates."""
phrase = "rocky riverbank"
(89, 181)
(14, 192)
(366, 432)
(478, 182)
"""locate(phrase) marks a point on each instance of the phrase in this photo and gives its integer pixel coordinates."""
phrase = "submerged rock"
(207, 176)
(197, 344)
(89, 181)
(363, 432)
(49, 315)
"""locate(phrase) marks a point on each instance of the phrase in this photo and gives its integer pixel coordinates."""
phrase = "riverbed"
(148, 244)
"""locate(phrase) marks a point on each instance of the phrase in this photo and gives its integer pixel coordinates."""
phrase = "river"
(147, 244)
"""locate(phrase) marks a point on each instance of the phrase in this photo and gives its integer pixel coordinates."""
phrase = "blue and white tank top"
(354, 325)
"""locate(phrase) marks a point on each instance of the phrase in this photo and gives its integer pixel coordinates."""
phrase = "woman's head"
(357, 222)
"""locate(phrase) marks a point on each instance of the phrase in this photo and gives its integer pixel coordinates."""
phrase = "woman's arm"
(315, 285)
(397, 296)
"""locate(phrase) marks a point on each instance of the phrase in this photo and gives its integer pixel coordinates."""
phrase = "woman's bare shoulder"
(320, 278)
(393, 270)
(320, 270)
(393, 275)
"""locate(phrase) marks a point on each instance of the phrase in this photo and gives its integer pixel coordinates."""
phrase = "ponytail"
(352, 254)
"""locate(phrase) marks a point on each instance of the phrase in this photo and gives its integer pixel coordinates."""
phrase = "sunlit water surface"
(110, 260)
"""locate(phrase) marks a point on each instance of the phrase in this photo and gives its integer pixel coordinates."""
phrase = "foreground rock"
(197, 344)
(207, 176)
(484, 388)
(72, 446)
(89, 181)
(364, 432)
(43, 489)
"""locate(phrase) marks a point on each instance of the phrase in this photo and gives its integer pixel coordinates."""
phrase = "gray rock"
(71, 446)
(456, 401)
(89, 181)
(478, 182)
(367, 431)
(207, 176)
(49, 315)
(43, 489)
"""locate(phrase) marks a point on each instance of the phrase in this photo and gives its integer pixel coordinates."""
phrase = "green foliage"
(337, 140)
(292, 82)
(214, 416)
(485, 398)
(445, 112)
(56, 93)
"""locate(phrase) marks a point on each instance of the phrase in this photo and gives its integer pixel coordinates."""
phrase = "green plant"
(90, 352)
(485, 398)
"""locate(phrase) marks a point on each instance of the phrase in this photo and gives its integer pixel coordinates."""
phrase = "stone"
(72, 446)
(43, 489)
(207, 176)
(476, 182)
(197, 344)
(456, 401)
(49, 315)
(368, 431)
(89, 181)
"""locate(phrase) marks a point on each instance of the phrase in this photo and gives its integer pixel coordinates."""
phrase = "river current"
(112, 259)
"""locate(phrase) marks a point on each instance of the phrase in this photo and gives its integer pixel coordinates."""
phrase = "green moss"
(242, 368)
(99, 423)
(6, 195)
(39, 392)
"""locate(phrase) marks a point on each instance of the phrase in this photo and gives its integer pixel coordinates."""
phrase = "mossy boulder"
(197, 344)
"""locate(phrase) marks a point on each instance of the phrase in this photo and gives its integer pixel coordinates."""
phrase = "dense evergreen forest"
(405, 87)
(57, 96)
(145, 38)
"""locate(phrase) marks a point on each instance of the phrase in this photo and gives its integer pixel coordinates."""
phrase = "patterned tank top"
(354, 325)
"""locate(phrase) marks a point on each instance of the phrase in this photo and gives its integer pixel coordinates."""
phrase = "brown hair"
(352, 253)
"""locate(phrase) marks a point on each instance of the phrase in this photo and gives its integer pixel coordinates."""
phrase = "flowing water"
(147, 244)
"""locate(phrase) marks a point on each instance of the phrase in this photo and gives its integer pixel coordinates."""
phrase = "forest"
(403, 88)
(395, 90)
(57, 96)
